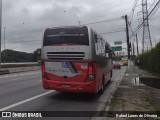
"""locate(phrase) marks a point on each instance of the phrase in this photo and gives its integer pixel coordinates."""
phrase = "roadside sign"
(118, 42)
(117, 48)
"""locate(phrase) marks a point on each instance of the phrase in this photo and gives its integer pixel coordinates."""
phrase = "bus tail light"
(44, 74)
(91, 72)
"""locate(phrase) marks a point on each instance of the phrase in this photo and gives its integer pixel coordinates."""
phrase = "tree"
(16, 56)
(37, 55)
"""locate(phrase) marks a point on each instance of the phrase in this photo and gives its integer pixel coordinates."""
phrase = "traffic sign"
(116, 48)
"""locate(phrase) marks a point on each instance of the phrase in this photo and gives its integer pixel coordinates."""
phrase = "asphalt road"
(24, 92)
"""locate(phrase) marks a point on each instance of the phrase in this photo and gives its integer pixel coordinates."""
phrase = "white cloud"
(25, 20)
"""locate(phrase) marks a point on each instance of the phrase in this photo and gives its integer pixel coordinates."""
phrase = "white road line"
(24, 101)
(16, 79)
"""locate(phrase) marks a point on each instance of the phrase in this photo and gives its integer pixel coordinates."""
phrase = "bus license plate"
(64, 64)
(66, 86)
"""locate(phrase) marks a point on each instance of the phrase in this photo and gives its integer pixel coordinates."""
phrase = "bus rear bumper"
(87, 87)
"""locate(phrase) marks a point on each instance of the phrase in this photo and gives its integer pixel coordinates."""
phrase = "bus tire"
(110, 77)
(102, 87)
(111, 73)
(101, 90)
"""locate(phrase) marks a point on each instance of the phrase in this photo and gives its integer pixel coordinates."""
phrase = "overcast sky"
(25, 20)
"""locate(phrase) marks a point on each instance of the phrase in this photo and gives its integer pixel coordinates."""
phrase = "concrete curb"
(118, 82)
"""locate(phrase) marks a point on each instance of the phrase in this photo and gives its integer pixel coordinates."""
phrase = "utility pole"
(4, 28)
(0, 28)
(127, 36)
(137, 45)
(4, 42)
(133, 49)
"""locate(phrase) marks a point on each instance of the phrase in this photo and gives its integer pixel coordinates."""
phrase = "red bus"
(75, 59)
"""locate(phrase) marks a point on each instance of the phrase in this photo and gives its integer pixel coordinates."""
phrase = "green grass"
(116, 99)
(150, 99)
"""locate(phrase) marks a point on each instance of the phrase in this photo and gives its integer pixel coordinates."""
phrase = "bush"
(150, 60)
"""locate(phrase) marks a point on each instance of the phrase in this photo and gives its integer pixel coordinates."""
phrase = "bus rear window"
(66, 36)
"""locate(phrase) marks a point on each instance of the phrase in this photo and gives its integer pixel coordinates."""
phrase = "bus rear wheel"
(110, 77)
(102, 89)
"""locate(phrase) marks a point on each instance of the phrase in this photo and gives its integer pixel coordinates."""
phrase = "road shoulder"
(135, 97)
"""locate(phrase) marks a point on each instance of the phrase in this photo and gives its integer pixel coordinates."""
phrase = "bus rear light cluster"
(91, 72)
(44, 74)
(43, 68)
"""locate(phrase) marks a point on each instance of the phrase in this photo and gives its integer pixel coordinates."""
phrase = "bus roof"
(68, 27)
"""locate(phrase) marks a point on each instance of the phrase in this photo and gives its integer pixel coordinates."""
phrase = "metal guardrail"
(7, 68)
(19, 63)
(4, 71)
(12, 65)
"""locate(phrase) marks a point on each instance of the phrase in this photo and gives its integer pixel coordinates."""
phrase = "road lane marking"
(24, 101)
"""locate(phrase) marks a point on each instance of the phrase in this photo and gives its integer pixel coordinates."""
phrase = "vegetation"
(150, 60)
(37, 55)
(10, 56)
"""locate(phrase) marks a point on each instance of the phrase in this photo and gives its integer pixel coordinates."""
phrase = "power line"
(152, 4)
(132, 12)
(113, 31)
(27, 44)
(154, 26)
(131, 16)
(31, 41)
(153, 9)
(108, 20)
(149, 10)
(152, 20)
(140, 26)
(24, 41)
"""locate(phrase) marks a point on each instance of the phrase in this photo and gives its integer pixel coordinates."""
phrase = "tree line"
(150, 59)
(11, 56)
